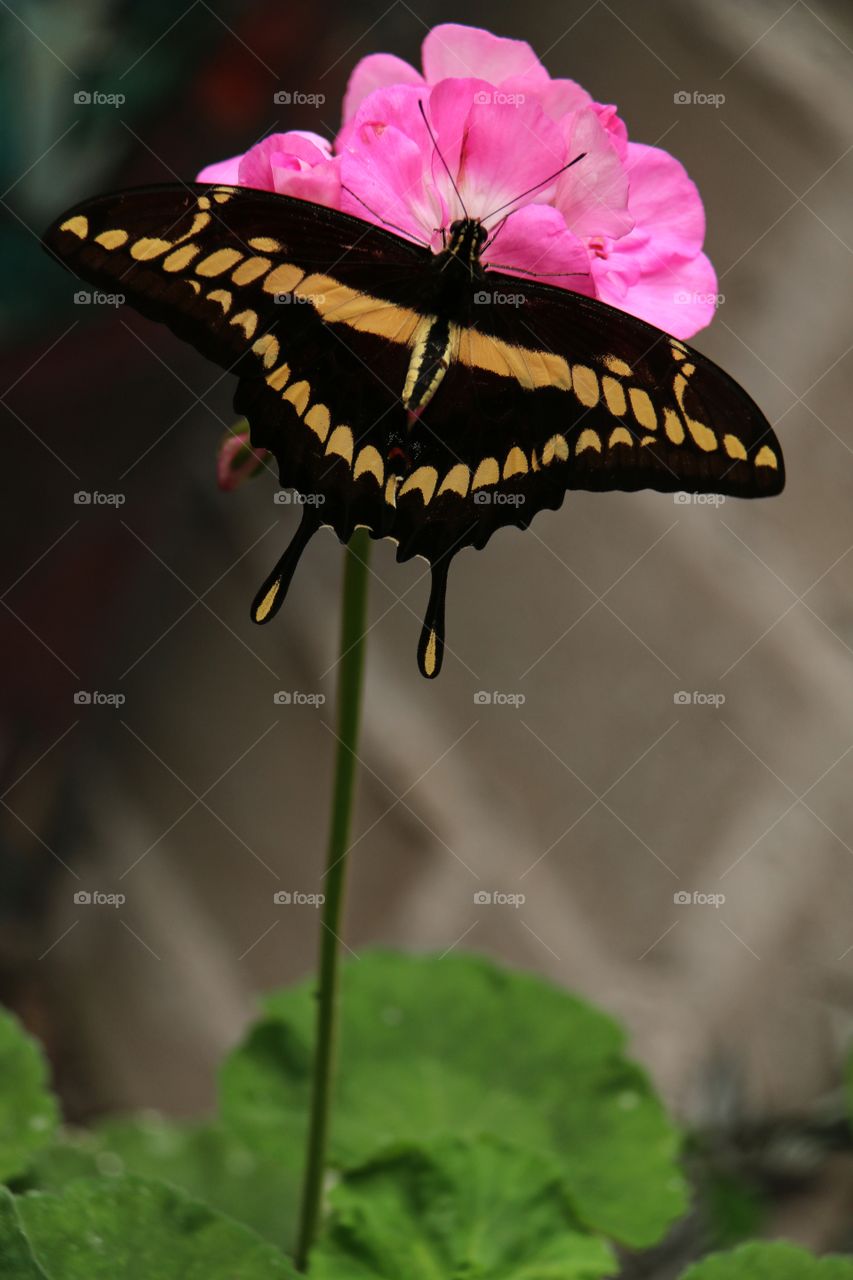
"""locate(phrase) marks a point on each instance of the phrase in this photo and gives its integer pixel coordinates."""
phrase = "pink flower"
(236, 460)
(624, 224)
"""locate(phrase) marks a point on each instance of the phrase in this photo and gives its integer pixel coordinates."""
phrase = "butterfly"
(413, 392)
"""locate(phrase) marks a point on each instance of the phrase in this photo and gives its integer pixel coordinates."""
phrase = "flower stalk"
(350, 678)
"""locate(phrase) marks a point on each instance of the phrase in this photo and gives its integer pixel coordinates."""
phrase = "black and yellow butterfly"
(416, 393)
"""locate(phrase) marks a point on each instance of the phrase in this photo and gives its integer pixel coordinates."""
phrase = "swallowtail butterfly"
(396, 387)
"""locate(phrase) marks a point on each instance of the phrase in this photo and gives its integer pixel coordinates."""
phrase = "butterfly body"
(421, 394)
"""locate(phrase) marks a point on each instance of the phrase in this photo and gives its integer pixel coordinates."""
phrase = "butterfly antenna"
(408, 235)
(535, 187)
(441, 158)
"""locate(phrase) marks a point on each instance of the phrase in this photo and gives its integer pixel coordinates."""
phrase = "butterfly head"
(466, 239)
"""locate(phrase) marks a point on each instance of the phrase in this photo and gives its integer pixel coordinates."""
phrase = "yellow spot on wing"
(615, 365)
(456, 480)
(424, 479)
(247, 320)
(391, 490)
(555, 450)
(369, 462)
(112, 239)
(516, 463)
(530, 368)
(588, 439)
(620, 435)
(298, 394)
(487, 473)
(734, 448)
(266, 244)
(263, 609)
(222, 296)
(585, 384)
(766, 458)
(181, 257)
(199, 222)
(267, 348)
(644, 410)
(429, 654)
(250, 270)
(673, 426)
(614, 396)
(279, 377)
(78, 226)
(702, 434)
(218, 261)
(149, 247)
(319, 420)
(341, 443)
(283, 279)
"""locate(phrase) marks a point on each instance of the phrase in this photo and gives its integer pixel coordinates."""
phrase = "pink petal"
(298, 163)
(453, 50)
(680, 297)
(665, 203)
(559, 97)
(221, 171)
(386, 167)
(593, 194)
(616, 128)
(536, 241)
(497, 150)
(377, 71)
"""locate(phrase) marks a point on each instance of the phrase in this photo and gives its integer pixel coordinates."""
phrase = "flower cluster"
(484, 131)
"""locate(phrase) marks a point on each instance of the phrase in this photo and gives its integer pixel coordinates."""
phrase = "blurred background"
(603, 796)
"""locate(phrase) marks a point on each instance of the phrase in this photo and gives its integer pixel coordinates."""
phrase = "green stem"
(351, 668)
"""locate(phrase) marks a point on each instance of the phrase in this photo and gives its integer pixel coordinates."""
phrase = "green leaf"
(460, 1046)
(15, 1253)
(28, 1110)
(203, 1160)
(459, 1209)
(140, 1229)
(770, 1262)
